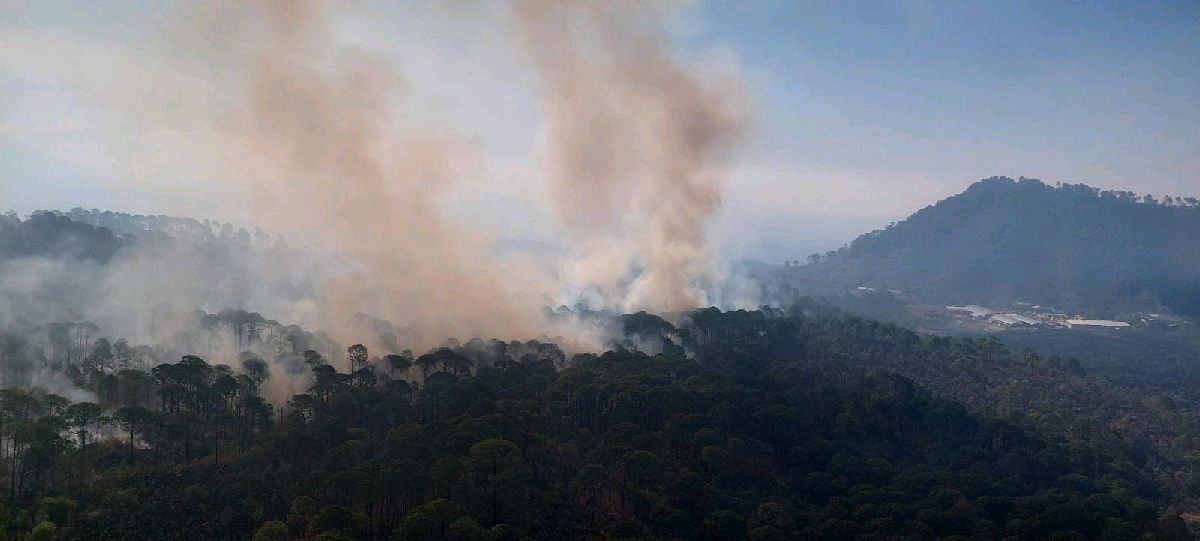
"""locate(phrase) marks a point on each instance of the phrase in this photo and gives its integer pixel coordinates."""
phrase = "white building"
(1095, 323)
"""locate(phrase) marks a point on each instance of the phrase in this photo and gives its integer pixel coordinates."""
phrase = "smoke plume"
(332, 158)
(315, 137)
(635, 143)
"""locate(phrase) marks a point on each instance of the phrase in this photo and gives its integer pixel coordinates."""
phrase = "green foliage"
(430, 521)
(748, 425)
(45, 531)
(466, 529)
(272, 530)
(56, 510)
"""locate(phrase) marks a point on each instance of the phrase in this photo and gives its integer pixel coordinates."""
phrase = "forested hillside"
(760, 425)
(50, 235)
(67, 279)
(767, 424)
(1073, 247)
(162, 226)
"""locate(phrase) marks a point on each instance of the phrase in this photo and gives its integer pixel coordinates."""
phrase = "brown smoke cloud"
(635, 142)
(327, 155)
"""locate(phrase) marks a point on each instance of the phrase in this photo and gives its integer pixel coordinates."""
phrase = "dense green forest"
(767, 424)
(1158, 360)
(1070, 246)
(770, 424)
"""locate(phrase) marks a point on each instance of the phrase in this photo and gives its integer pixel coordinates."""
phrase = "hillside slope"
(1002, 240)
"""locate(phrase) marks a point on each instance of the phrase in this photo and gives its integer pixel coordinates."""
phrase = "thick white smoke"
(636, 142)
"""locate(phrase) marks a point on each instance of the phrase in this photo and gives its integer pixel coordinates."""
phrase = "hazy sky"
(863, 112)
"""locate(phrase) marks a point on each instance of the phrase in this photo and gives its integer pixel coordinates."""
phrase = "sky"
(861, 112)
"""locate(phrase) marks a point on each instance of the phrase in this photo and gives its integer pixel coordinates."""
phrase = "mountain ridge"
(1002, 240)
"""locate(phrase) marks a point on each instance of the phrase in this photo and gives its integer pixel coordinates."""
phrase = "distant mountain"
(1069, 246)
